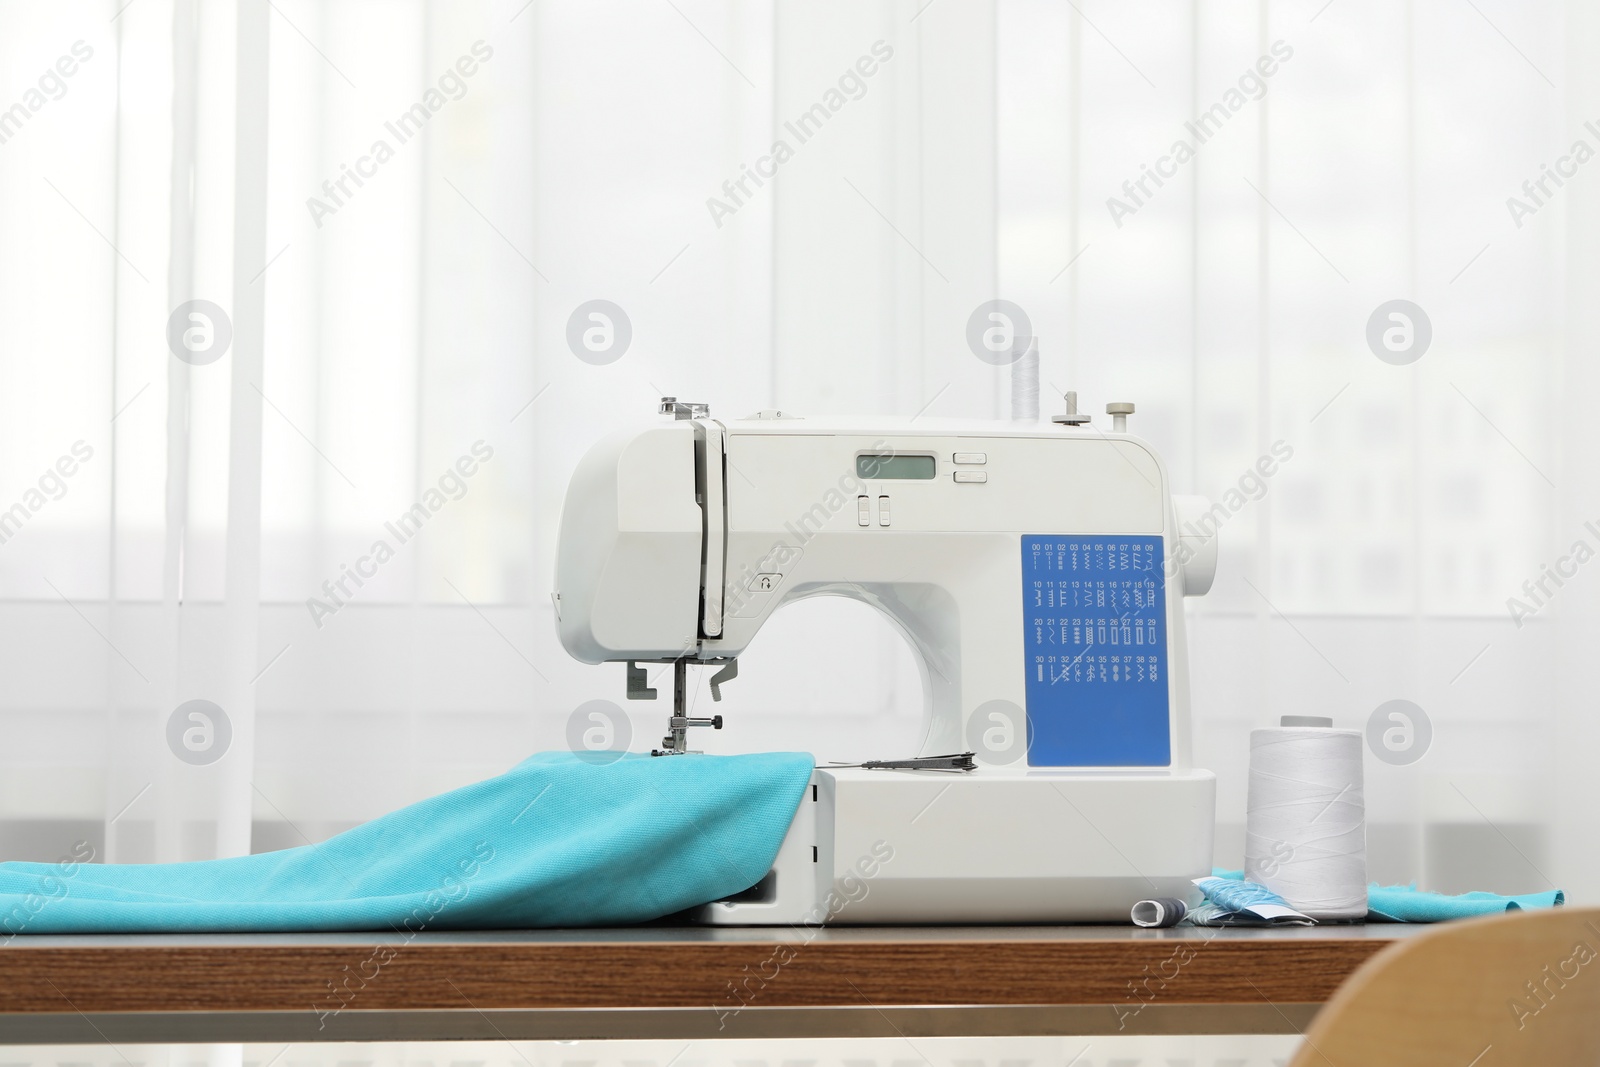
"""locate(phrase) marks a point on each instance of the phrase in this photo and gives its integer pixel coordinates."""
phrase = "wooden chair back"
(1503, 991)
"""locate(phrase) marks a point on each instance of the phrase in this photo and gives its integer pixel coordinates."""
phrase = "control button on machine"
(764, 583)
(883, 511)
(971, 476)
(971, 457)
(863, 511)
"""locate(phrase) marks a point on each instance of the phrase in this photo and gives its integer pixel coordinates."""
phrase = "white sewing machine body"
(1033, 571)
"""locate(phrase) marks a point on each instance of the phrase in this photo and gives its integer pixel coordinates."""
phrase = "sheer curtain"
(398, 210)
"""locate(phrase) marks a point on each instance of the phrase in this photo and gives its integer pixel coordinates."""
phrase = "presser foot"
(676, 743)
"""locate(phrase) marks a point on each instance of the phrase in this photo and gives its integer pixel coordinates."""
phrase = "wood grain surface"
(621, 969)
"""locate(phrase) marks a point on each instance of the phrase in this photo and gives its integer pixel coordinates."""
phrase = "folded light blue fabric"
(559, 840)
(1408, 904)
(1235, 902)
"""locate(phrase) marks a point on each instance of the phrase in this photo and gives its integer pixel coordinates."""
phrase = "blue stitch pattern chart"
(1094, 617)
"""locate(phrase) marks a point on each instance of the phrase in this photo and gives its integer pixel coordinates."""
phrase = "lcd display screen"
(919, 468)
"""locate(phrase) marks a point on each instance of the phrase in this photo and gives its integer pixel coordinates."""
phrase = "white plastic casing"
(628, 560)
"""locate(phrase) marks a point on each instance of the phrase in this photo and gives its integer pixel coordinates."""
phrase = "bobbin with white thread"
(1305, 817)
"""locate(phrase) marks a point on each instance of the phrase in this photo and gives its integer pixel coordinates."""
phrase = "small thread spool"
(1159, 912)
(1305, 817)
(1025, 382)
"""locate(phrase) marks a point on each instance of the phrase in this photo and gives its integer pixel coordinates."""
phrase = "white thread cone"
(1305, 820)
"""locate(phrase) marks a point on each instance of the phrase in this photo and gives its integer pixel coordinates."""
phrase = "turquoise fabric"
(1408, 904)
(559, 840)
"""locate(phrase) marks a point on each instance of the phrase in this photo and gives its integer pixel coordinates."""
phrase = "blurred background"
(397, 212)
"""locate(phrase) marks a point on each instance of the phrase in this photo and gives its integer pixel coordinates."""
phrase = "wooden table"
(674, 982)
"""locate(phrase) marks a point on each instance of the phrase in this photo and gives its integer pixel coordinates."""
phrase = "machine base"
(997, 845)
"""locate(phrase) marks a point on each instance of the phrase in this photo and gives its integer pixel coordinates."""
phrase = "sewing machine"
(1036, 570)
